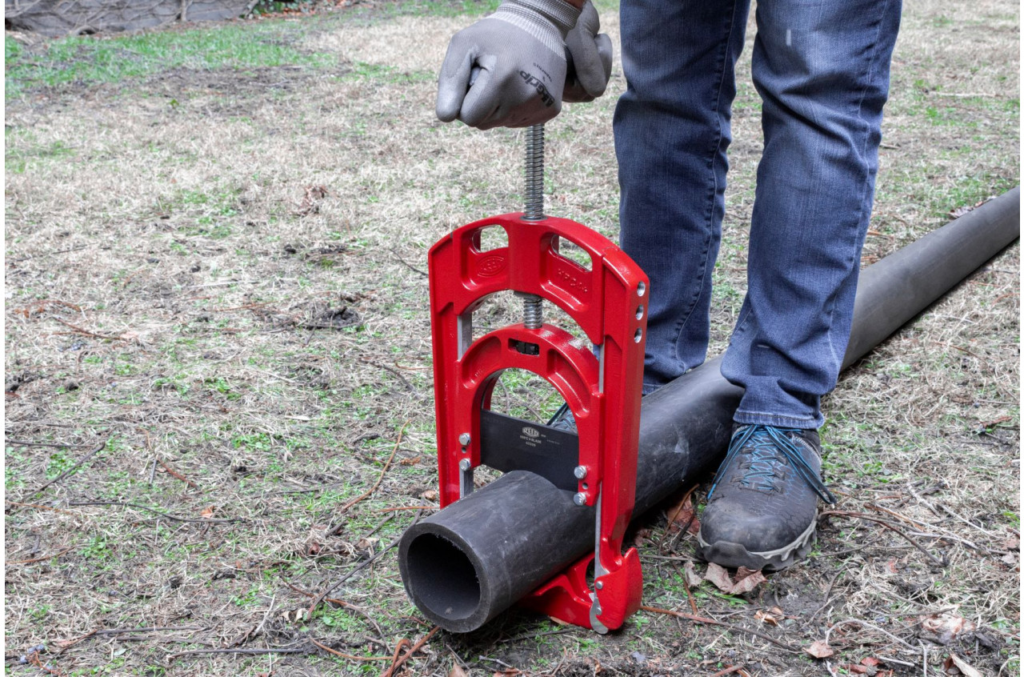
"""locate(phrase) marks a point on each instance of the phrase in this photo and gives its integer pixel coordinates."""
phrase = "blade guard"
(608, 302)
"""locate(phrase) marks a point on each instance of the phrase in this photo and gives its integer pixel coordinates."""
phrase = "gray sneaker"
(763, 505)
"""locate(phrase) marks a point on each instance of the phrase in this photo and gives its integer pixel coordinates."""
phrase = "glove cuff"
(558, 12)
(531, 15)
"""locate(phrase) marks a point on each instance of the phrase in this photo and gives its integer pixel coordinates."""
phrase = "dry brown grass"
(173, 274)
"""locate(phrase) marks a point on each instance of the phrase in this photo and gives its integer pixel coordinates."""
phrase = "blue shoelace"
(764, 442)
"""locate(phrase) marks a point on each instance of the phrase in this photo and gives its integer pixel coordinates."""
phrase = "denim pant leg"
(671, 135)
(822, 70)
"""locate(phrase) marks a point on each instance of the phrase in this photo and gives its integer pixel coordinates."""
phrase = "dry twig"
(37, 559)
(85, 332)
(41, 507)
(177, 475)
(248, 652)
(359, 568)
(858, 515)
(347, 655)
(173, 518)
(727, 626)
(70, 470)
(380, 478)
(26, 443)
(398, 662)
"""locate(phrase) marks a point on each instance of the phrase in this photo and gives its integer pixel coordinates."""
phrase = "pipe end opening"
(442, 577)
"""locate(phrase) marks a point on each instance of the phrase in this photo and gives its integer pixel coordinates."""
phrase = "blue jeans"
(822, 71)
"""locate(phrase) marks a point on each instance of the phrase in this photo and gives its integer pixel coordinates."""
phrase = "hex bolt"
(580, 499)
(464, 465)
(580, 472)
(464, 439)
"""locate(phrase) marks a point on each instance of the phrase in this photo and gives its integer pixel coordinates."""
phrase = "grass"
(89, 60)
(162, 199)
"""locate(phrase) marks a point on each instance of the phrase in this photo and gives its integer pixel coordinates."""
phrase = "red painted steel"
(608, 302)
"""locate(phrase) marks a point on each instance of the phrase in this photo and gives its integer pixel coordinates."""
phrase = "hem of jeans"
(777, 420)
(649, 388)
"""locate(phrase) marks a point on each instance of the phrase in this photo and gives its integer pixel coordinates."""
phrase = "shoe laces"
(563, 419)
(764, 442)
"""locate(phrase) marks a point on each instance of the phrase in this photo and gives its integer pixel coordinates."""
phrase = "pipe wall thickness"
(469, 562)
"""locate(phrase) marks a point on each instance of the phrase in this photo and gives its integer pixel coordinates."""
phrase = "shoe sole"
(735, 555)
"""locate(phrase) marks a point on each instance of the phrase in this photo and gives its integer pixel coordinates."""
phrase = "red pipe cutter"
(600, 381)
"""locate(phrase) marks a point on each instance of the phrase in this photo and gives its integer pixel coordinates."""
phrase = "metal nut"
(464, 439)
(580, 472)
(600, 585)
(464, 465)
(580, 499)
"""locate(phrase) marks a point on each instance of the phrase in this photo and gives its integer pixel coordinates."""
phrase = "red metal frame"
(609, 303)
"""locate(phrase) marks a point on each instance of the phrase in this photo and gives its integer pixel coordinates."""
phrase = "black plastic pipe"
(469, 562)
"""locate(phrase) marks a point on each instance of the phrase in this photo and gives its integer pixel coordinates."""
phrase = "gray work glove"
(508, 69)
(591, 58)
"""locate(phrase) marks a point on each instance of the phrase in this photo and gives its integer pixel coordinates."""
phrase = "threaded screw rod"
(533, 305)
(534, 195)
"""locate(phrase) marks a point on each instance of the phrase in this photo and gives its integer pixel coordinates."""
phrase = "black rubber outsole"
(735, 555)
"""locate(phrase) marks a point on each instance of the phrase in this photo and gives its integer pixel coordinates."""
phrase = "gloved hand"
(507, 69)
(591, 55)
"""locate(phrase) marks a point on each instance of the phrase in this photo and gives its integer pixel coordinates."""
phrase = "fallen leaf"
(777, 611)
(311, 201)
(429, 495)
(366, 543)
(943, 628)
(641, 536)
(992, 424)
(747, 583)
(861, 669)
(964, 667)
(683, 516)
(457, 671)
(870, 660)
(819, 649)
(413, 461)
(207, 513)
(1009, 559)
(1012, 544)
(295, 615)
(719, 577)
(746, 579)
(744, 572)
(766, 618)
(693, 579)
(960, 211)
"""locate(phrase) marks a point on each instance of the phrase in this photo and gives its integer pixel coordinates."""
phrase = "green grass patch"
(87, 60)
(443, 8)
(969, 190)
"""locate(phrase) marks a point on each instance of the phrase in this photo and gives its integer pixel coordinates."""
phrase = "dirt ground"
(217, 342)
